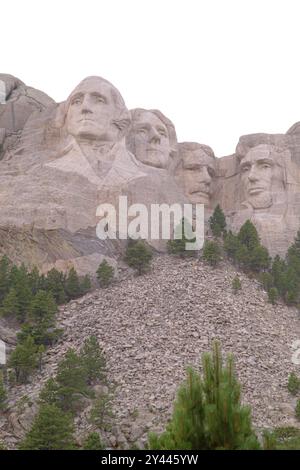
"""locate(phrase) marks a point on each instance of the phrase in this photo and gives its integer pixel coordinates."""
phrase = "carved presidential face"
(199, 170)
(92, 110)
(150, 140)
(262, 175)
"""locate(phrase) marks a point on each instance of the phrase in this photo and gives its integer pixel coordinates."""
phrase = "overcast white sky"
(217, 68)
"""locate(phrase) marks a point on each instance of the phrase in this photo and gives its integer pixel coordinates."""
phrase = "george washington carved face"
(96, 111)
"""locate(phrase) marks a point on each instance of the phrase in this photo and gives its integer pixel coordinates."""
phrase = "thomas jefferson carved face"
(150, 140)
(93, 111)
(262, 175)
(199, 170)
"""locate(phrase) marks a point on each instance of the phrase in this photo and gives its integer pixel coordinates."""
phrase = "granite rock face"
(59, 162)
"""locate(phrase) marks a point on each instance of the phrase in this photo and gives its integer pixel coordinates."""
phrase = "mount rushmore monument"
(58, 162)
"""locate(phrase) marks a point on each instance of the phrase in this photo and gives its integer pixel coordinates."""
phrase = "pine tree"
(72, 285)
(293, 383)
(297, 410)
(10, 305)
(231, 245)
(55, 283)
(273, 295)
(24, 359)
(259, 259)
(93, 360)
(92, 442)
(208, 413)
(5, 267)
(178, 246)
(138, 256)
(52, 429)
(34, 280)
(217, 222)
(211, 252)
(248, 235)
(105, 273)
(19, 280)
(266, 280)
(72, 381)
(85, 285)
(41, 315)
(236, 284)
(278, 271)
(293, 255)
(3, 394)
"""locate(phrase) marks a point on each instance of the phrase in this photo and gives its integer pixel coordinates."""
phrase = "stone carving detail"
(152, 138)
(197, 171)
(60, 161)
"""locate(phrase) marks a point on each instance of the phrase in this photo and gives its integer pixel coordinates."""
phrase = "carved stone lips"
(255, 190)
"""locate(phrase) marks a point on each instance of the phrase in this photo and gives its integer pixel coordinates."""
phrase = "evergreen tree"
(297, 410)
(293, 384)
(243, 256)
(208, 413)
(5, 267)
(231, 245)
(52, 429)
(236, 284)
(50, 393)
(259, 259)
(3, 394)
(55, 283)
(19, 280)
(211, 252)
(248, 235)
(138, 256)
(273, 295)
(72, 285)
(93, 360)
(10, 305)
(105, 273)
(42, 318)
(293, 255)
(92, 442)
(178, 246)
(278, 271)
(34, 280)
(24, 359)
(72, 381)
(266, 280)
(217, 222)
(85, 285)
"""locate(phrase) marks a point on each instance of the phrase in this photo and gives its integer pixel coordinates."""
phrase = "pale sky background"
(217, 68)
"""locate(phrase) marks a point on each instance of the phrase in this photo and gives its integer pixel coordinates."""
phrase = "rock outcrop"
(61, 161)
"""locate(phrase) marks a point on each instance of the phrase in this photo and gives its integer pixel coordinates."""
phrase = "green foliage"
(85, 285)
(259, 259)
(72, 285)
(282, 438)
(93, 442)
(211, 252)
(52, 429)
(297, 410)
(3, 394)
(236, 284)
(217, 222)
(208, 413)
(20, 281)
(266, 280)
(5, 268)
(138, 256)
(231, 245)
(273, 295)
(24, 359)
(10, 305)
(93, 360)
(293, 383)
(55, 284)
(248, 235)
(177, 246)
(101, 411)
(105, 273)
